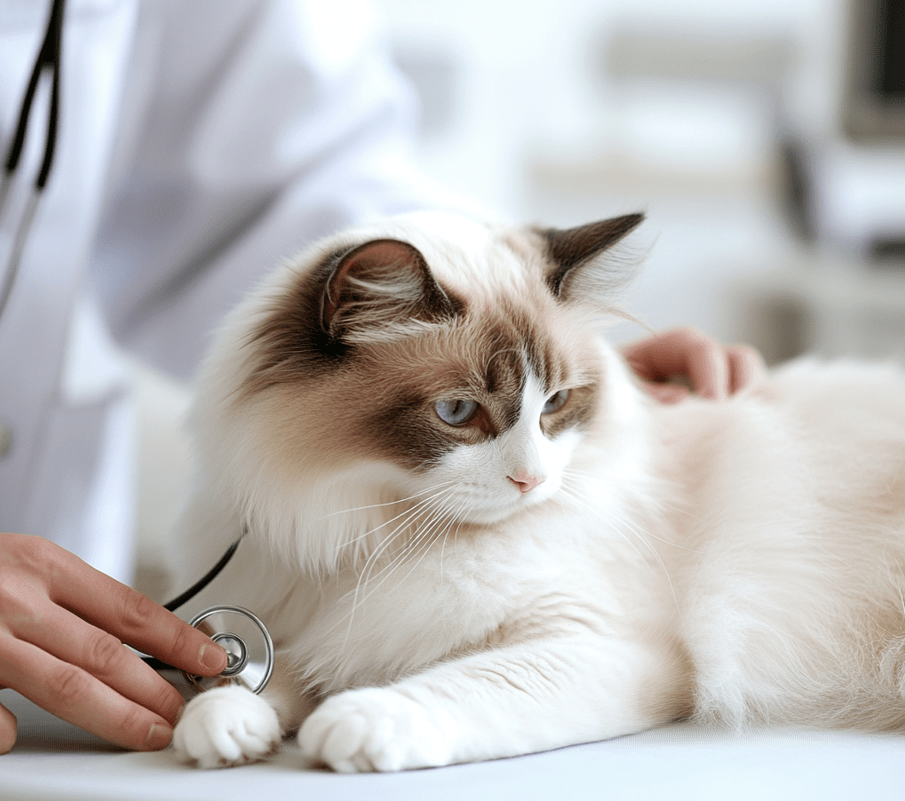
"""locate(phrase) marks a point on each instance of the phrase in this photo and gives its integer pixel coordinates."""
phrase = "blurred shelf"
(833, 283)
(827, 305)
(623, 173)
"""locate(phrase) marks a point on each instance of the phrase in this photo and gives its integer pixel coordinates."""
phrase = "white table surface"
(53, 760)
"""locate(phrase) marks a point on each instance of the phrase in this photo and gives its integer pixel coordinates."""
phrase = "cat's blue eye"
(456, 412)
(555, 402)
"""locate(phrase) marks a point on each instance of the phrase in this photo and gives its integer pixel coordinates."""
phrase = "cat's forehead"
(517, 338)
(474, 258)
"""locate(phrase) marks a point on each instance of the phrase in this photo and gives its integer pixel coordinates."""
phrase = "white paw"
(226, 726)
(375, 729)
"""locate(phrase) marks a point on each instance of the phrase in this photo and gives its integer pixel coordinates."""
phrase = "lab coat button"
(6, 439)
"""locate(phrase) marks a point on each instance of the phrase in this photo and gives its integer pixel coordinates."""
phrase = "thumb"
(7, 730)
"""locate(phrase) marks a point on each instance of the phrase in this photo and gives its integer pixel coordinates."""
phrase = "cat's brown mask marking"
(486, 364)
(486, 360)
(333, 323)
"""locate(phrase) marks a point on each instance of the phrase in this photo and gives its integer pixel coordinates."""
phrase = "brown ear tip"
(571, 248)
(631, 221)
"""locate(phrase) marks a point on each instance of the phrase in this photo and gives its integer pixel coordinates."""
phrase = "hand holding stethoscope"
(241, 634)
(62, 629)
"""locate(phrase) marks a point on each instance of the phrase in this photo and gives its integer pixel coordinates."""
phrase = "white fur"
(226, 726)
(740, 561)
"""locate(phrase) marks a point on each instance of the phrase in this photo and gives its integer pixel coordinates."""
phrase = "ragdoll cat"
(472, 535)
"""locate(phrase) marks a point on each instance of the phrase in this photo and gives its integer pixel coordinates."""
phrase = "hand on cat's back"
(698, 363)
(63, 626)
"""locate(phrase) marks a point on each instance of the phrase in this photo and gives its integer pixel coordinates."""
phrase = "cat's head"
(432, 358)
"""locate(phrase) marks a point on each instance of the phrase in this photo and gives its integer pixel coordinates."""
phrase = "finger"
(707, 367)
(682, 352)
(72, 694)
(131, 616)
(666, 393)
(641, 357)
(7, 730)
(663, 356)
(72, 640)
(746, 367)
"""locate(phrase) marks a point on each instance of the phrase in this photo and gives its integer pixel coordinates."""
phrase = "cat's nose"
(525, 481)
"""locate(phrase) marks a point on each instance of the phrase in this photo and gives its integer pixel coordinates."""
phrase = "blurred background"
(765, 139)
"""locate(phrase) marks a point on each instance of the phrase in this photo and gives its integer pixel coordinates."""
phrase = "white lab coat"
(200, 141)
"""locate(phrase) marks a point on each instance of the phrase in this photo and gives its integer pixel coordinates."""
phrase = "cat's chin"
(487, 517)
(496, 513)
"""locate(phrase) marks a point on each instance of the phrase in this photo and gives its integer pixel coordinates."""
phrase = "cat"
(473, 535)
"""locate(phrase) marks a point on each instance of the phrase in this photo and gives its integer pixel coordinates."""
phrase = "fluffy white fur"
(738, 561)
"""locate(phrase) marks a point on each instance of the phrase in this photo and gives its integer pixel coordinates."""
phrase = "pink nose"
(526, 482)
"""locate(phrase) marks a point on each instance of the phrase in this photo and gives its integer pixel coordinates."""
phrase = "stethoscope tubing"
(49, 59)
(18, 247)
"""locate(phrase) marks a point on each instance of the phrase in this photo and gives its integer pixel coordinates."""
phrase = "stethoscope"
(241, 633)
(248, 645)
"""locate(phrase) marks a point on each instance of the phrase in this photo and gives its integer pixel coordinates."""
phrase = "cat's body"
(473, 532)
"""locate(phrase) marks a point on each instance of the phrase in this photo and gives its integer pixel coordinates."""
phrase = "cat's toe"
(226, 726)
(374, 730)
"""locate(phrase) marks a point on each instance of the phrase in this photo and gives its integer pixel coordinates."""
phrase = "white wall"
(529, 115)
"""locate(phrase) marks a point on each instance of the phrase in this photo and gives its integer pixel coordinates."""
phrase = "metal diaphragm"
(248, 646)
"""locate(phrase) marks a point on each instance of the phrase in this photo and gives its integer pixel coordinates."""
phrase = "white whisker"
(422, 537)
(374, 557)
(441, 485)
(425, 548)
(407, 511)
(572, 473)
(457, 518)
(581, 502)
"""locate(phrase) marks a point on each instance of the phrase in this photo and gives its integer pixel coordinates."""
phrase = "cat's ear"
(380, 286)
(575, 270)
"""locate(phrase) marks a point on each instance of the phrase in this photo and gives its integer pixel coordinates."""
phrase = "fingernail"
(159, 736)
(212, 657)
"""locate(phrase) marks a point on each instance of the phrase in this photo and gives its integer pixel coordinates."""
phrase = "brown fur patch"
(578, 411)
(289, 344)
(301, 335)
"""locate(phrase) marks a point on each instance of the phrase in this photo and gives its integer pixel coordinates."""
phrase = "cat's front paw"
(375, 729)
(226, 726)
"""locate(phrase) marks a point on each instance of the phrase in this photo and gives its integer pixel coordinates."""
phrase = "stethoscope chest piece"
(248, 646)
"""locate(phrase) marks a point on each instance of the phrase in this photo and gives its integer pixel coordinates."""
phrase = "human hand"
(63, 626)
(712, 370)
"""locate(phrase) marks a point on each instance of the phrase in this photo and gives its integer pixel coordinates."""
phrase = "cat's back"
(795, 521)
(849, 419)
(839, 418)
(839, 393)
(799, 480)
